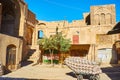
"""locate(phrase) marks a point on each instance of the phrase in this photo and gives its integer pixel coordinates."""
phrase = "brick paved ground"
(45, 72)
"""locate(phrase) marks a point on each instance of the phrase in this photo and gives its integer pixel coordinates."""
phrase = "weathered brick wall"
(101, 15)
(31, 17)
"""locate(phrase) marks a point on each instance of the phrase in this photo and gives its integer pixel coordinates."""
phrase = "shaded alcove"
(116, 53)
(79, 50)
(87, 20)
(10, 17)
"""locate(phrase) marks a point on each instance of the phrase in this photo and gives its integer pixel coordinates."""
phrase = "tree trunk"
(52, 59)
(62, 59)
(51, 55)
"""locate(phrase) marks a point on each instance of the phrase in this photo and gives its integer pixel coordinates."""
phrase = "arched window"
(40, 34)
(108, 18)
(97, 19)
(102, 21)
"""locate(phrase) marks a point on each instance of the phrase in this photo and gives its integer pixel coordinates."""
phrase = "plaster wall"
(5, 41)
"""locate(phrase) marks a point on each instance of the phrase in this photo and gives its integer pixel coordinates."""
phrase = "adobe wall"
(8, 40)
(91, 30)
(26, 27)
(31, 17)
(103, 14)
(87, 33)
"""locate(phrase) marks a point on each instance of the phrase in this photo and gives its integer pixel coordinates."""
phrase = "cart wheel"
(79, 77)
(95, 77)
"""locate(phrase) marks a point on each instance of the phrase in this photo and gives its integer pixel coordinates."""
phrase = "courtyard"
(85, 36)
(46, 72)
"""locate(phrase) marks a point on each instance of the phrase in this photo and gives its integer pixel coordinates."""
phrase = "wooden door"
(11, 57)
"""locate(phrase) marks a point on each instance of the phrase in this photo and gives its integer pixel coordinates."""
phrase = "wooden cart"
(81, 66)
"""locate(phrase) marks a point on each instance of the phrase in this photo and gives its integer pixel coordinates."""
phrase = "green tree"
(64, 47)
(63, 44)
(55, 42)
(49, 44)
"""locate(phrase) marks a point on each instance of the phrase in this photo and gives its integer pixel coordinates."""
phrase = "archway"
(117, 48)
(11, 57)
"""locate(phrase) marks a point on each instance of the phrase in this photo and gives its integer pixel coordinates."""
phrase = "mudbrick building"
(89, 36)
(17, 24)
(19, 32)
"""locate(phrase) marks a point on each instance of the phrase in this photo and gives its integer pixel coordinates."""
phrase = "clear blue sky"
(54, 10)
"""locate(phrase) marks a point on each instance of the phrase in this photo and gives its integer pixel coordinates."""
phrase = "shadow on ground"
(8, 78)
(25, 63)
(112, 72)
(73, 75)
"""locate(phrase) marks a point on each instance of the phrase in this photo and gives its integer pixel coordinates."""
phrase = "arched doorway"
(11, 57)
(117, 48)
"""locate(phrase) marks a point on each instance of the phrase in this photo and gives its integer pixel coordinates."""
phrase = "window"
(108, 18)
(75, 39)
(103, 21)
(97, 21)
(40, 34)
